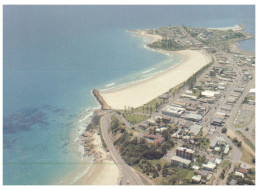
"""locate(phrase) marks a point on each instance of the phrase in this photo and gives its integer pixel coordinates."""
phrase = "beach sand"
(100, 173)
(139, 93)
(102, 168)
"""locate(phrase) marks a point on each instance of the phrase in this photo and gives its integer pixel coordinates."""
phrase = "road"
(128, 175)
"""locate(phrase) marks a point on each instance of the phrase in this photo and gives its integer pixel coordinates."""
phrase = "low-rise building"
(239, 174)
(195, 129)
(192, 117)
(226, 150)
(209, 166)
(173, 111)
(196, 178)
(178, 161)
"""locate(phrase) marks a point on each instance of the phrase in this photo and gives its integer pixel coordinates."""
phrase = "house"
(252, 92)
(239, 174)
(243, 170)
(195, 167)
(143, 126)
(202, 173)
(209, 166)
(160, 130)
(218, 161)
(209, 93)
(226, 150)
(233, 182)
(196, 178)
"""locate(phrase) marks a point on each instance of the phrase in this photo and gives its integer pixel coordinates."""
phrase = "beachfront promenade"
(127, 174)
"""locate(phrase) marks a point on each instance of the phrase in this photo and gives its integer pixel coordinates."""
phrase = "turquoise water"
(55, 55)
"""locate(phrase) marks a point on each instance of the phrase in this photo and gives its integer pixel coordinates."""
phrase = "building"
(218, 161)
(233, 182)
(231, 99)
(209, 93)
(195, 167)
(243, 171)
(226, 150)
(203, 173)
(185, 153)
(252, 92)
(177, 134)
(160, 130)
(196, 178)
(217, 140)
(173, 111)
(192, 117)
(180, 104)
(209, 166)
(239, 174)
(195, 129)
(153, 139)
(178, 161)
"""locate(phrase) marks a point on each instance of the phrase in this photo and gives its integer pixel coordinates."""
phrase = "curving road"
(128, 176)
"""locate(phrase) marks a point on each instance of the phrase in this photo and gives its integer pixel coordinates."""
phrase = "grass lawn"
(246, 157)
(135, 118)
(247, 141)
(225, 164)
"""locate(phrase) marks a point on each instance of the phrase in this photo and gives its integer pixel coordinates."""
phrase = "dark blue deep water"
(55, 55)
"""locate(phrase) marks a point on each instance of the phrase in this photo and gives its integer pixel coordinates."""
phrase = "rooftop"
(182, 160)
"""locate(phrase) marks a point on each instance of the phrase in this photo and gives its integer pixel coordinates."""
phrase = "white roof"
(239, 174)
(252, 90)
(218, 161)
(196, 178)
(209, 93)
(209, 165)
(195, 167)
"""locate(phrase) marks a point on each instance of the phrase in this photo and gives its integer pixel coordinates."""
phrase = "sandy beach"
(139, 93)
(100, 171)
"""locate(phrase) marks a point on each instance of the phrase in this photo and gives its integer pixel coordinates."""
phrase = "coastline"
(138, 93)
(99, 171)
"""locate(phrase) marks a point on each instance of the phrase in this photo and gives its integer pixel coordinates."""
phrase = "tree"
(239, 144)
(158, 167)
(247, 129)
(253, 160)
(224, 130)
(235, 140)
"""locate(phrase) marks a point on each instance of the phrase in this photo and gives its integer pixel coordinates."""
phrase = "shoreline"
(132, 95)
(98, 172)
(101, 168)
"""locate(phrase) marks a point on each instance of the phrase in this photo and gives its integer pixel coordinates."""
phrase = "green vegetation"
(224, 130)
(249, 178)
(246, 140)
(226, 164)
(247, 157)
(169, 45)
(135, 118)
(176, 176)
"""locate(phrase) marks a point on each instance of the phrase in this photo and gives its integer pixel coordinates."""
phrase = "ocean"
(53, 56)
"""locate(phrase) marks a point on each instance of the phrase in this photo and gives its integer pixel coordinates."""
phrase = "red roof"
(242, 170)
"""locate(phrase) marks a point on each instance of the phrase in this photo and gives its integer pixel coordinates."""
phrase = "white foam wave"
(147, 71)
(111, 84)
